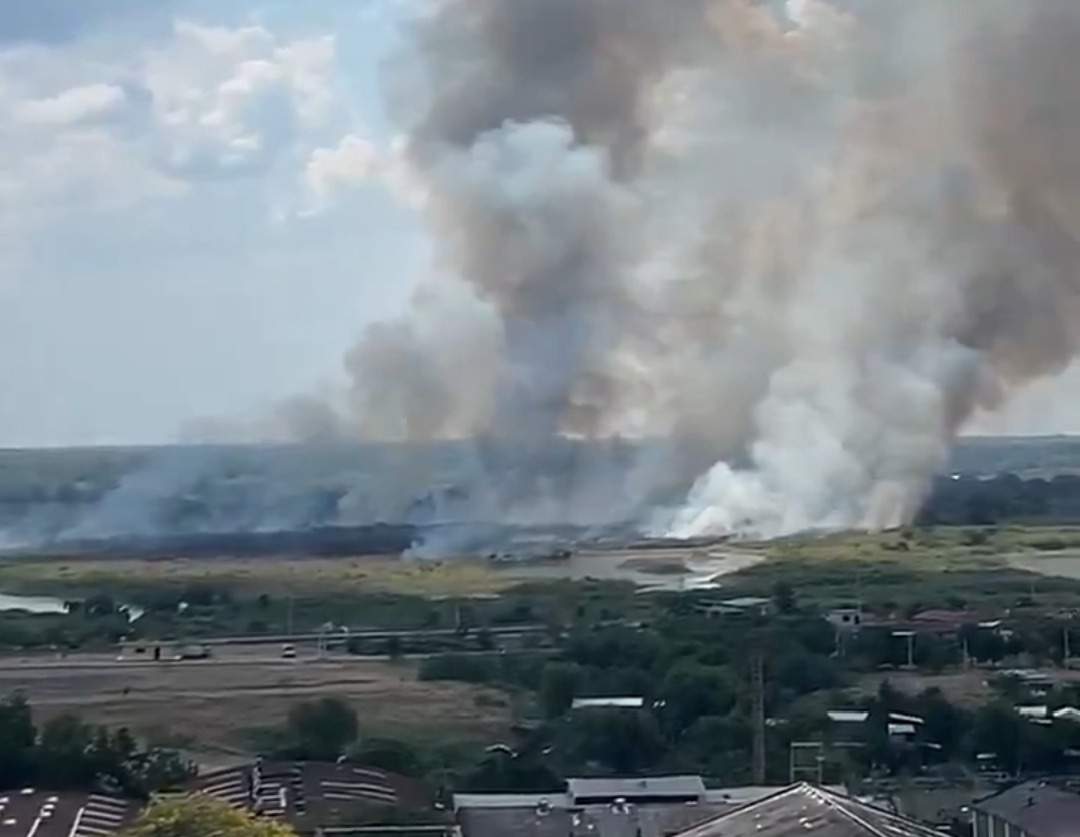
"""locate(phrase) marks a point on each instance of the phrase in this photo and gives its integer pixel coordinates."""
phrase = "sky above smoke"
(191, 219)
(203, 205)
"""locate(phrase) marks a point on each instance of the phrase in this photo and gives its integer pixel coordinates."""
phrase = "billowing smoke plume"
(800, 243)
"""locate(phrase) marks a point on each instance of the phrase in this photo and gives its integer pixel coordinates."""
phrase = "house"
(742, 606)
(847, 726)
(1033, 713)
(652, 807)
(848, 716)
(1030, 809)
(608, 703)
(902, 731)
(845, 618)
(805, 809)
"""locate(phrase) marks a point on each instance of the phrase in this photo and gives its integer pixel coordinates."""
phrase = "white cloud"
(152, 264)
(208, 103)
(353, 161)
(72, 106)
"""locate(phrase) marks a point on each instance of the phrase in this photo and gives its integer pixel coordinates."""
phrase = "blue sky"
(200, 211)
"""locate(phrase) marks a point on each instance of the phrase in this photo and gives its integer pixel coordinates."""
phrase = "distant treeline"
(1007, 498)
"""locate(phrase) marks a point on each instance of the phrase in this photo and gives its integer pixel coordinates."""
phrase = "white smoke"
(800, 247)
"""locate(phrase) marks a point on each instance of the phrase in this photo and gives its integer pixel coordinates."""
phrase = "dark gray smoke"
(802, 243)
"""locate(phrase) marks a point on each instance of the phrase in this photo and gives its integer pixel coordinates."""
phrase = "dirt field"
(214, 707)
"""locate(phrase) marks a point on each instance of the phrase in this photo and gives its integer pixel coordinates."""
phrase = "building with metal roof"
(637, 807)
(643, 790)
(1030, 809)
(807, 810)
(651, 807)
(608, 703)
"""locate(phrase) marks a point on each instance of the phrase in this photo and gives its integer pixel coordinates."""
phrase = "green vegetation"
(68, 753)
(130, 577)
(201, 816)
(193, 599)
(321, 730)
(916, 569)
(693, 674)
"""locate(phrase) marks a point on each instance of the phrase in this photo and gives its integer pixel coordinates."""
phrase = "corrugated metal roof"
(803, 809)
(747, 601)
(510, 800)
(848, 716)
(608, 702)
(654, 786)
(1037, 809)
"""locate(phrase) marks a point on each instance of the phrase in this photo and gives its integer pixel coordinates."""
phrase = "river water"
(32, 604)
(49, 604)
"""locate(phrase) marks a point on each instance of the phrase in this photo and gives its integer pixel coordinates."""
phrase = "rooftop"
(625, 812)
(804, 809)
(747, 601)
(1037, 809)
(608, 703)
(848, 716)
(656, 787)
(291, 788)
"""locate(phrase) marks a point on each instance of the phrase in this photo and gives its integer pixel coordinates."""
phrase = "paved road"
(341, 635)
(109, 662)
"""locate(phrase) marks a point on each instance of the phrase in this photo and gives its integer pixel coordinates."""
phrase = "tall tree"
(17, 739)
(322, 729)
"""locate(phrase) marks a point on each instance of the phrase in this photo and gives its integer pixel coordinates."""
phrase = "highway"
(227, 656)
(346, 634)
(257, 650)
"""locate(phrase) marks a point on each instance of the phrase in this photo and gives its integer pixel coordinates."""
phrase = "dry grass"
(297, 575)
(958, 546)
(215, 706)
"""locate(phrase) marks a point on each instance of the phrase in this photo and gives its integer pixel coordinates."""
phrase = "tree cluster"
(67, 753)
(994, 734)
(986, 501)
(201, 816)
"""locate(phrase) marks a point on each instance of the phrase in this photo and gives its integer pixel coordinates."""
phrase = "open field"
(216, 706)
(1065, 564)
(989, 569)
(295, 575)
(958, 546)
(951, 549)
(458, 577)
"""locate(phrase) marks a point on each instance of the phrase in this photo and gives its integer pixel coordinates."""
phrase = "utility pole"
(1065, 638)
(757, 686)
(289, 618)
